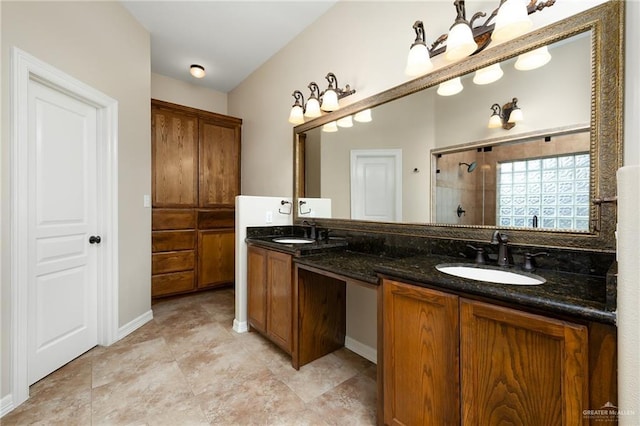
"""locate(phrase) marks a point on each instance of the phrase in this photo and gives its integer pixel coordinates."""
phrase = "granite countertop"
(578, 295)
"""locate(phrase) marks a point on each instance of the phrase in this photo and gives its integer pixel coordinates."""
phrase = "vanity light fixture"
(419, 59)
(318, 101)
(363, 116)
(510, 19)
(345, 121)
(505, 117)
(450, 87)
(312, 108)
(197, 70)
(534, 59)
(330, 127)
(297, 110)
(460, 42)
(488, 74)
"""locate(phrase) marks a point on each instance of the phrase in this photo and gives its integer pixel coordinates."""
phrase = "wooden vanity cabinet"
(195, 158)
(462, 361)
(270, 295)
(421, 368)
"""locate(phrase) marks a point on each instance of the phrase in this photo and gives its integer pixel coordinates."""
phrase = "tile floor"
(188, 367)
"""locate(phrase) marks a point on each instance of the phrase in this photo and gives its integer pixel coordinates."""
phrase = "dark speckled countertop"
(577, 295)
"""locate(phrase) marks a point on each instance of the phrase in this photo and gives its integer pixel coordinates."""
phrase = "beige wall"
(100, 44)
(179, 92)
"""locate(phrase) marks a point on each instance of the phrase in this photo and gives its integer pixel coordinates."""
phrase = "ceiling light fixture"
(318, 101)
(511, 20)
(197, 71)
(507, 116)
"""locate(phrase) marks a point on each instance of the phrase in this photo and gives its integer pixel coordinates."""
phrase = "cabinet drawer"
(210, 219)
(164, 219)
(172, 283)
(173, 240)
(174, 261)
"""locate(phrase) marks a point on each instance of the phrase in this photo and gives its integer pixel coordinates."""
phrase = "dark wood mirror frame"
(606, 22)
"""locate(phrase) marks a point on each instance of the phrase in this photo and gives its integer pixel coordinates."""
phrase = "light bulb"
(512, 20)
(363, 116)
(450, 87)
(330, 127)
(329, 100)
(460, 42)
(297, 115)
(345, 121)
(533, 59)
(313, 108)
(418, 60)
(488, 74)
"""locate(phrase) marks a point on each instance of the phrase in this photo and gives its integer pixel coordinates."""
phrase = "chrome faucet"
(312, 229)
(503, 252)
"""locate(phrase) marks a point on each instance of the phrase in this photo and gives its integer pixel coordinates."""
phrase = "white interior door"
(62, 215)
(376, 185)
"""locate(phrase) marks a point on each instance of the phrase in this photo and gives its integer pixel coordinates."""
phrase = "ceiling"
(230, 39)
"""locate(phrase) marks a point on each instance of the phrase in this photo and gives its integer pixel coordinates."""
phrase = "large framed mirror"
(439, 171)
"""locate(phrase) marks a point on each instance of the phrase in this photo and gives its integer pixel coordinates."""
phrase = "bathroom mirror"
(412, 126)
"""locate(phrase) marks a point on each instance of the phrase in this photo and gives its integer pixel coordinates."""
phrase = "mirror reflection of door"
(376, 185)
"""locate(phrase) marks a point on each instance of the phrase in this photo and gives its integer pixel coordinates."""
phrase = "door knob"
(95, 239)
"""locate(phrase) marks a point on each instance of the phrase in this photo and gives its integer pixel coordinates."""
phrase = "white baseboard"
(361, 349)
(240, 327)
(6, 405)
(135, 324)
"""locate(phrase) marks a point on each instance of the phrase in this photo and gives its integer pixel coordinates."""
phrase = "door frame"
(396, 154)
(24, 68)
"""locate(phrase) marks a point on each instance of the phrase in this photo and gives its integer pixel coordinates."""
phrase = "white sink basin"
(490, 275)
(293, 240)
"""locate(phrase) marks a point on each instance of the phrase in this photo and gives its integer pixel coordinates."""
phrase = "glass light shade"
(450, 87)
(418, 61)
(363, 116)
(460, 42)
(516, 116)
(512, 20)
(197, 71)
(533, 59)
(313, 108)
(330, 100)
(330, 127)
(495, 121)
(297, 115)
(488, 74)
(345, 121)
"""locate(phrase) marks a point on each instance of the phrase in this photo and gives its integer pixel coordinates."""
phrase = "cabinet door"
(521, 369)
(216, 257)
(219, 164)
(420, 373)
(279, 299)
(257, 288)
(174, 157)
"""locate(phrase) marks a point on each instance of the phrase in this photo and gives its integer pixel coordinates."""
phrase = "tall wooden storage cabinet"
(195, 179)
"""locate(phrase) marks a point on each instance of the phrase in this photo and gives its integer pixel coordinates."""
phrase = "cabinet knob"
(95, 239)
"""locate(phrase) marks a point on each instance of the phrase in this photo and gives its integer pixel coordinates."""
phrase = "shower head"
(470, 167)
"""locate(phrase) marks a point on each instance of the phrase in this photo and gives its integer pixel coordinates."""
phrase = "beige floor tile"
(188, 367)
(351, 403)
(317, 377)
(151, 393)
(122, 362)
(258, 400)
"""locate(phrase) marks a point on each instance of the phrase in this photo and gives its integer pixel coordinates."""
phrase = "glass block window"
(552, 190)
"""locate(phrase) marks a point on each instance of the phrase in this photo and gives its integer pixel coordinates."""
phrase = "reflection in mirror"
(382, 170)
(534, 183)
